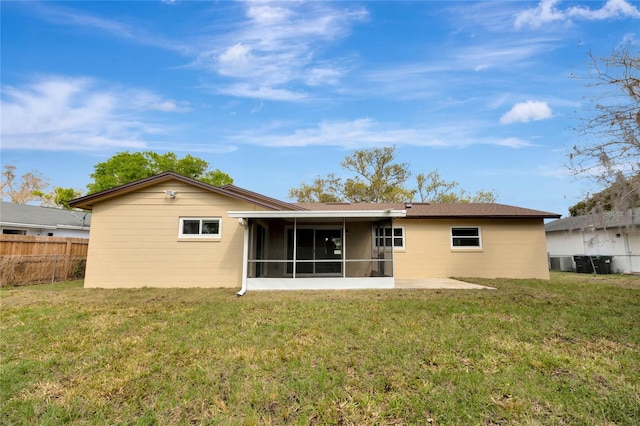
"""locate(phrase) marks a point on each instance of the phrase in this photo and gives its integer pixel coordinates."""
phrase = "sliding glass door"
(318, 251)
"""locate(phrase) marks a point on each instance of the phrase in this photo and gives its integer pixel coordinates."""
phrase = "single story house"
(614, 234)
(172, 231)
(23, 219)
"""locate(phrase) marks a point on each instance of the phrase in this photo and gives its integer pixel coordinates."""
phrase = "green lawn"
(565, 351)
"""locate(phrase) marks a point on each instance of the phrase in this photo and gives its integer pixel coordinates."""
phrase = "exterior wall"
(71, 233)
(134, 241)
(622, 244)
(511, 248)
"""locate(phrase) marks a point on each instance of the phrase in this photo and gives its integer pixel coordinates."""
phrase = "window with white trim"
(385, 236)
(466, 237)
(200, 227)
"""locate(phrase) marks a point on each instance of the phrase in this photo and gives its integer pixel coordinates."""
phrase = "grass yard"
(565, 351)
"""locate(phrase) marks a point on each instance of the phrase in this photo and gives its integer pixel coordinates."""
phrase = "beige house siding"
(134, 240)
(511, 248)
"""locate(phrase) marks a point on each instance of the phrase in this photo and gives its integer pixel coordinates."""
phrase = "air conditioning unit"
(561, 263)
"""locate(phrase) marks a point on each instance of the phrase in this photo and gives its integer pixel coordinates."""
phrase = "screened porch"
(318, 250)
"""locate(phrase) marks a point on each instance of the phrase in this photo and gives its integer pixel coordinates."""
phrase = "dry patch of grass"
(532, 352)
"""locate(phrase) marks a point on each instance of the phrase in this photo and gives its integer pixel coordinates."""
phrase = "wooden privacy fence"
(30, 259)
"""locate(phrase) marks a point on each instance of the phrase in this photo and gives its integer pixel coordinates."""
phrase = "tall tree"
(605, 200)
(126, 167)
(31, 186)
(377, 178)
(609, 131)
(62, 196)
(432, 188)
(322, 190)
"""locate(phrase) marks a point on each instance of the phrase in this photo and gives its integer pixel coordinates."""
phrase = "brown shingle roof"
(444, 210)
(414, 210)
(259, 197)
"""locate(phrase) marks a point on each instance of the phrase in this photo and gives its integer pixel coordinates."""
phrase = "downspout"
(627, 250)
(245, 256)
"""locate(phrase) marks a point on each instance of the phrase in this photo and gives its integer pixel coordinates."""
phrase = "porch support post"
(295, 246)
(245, 257)
(393, 251)
(344, 247)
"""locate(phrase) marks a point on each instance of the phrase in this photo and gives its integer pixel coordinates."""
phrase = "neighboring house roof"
(596, 221)
(232, 191)
(443, 210)
(26, 216)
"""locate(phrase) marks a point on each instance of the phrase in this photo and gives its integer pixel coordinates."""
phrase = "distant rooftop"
(27, 216)
(596, 221)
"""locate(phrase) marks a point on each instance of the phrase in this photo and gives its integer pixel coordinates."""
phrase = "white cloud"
(61, 15)
(322, 75)
(242, 90)
(547, 11)
(524, 112)
(366, 132)
(268, 14)
(513, 143)
(77, 113)
(612, 9)
(236, 61)
(278, 45)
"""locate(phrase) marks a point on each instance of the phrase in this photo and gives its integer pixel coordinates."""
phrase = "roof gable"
(87, 202)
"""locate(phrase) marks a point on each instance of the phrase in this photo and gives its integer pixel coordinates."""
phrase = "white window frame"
(479, 238)
(403, 237)
(200, 235)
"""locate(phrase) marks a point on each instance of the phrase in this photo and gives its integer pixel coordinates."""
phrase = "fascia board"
(316, 214)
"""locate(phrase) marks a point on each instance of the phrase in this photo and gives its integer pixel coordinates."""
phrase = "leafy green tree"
(609, 198)
(322, 190)
(62, 196)
(433, 189)
(377, 178)
(126, 167)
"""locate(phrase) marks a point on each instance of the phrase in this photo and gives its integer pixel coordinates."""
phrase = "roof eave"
(479, 216)
(317, 214)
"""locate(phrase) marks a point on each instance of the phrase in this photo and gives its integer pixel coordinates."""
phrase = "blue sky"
(278, 93)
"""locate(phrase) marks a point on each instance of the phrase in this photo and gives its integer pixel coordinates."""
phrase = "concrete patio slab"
(438, 283)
